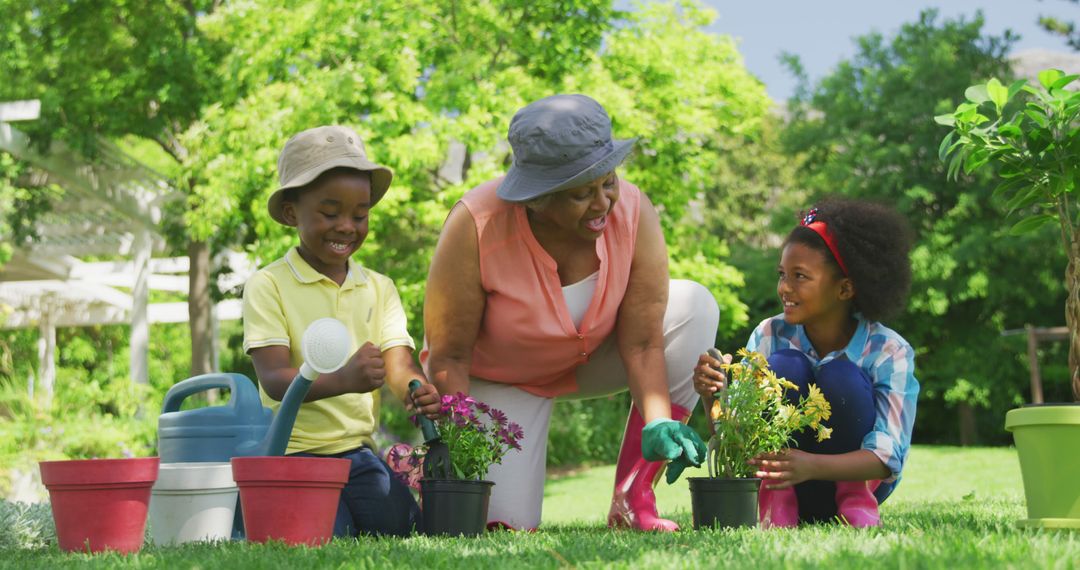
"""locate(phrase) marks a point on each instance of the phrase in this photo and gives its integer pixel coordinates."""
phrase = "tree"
(415, 78)
(107, 69)
(1058, 27)
(867, 130)
(1033, 134)
(455, 73)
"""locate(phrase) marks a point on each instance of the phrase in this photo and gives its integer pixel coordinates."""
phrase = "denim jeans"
(851, 395)
(374, 501)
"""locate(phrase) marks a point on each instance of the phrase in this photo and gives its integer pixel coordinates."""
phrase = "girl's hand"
(707, 375)
(425, 400)
(786, 468)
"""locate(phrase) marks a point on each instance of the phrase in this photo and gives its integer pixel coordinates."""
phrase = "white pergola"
(111, 208)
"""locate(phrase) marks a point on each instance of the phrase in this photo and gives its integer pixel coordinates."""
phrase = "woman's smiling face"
(809, 287)
(581, 211)
(332, 220)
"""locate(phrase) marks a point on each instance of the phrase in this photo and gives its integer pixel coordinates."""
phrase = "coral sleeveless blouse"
(527, 336)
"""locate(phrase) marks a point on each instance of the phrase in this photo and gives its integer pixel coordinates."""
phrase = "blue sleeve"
(896, 392)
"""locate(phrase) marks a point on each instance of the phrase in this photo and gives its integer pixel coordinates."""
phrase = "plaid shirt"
(886, 358)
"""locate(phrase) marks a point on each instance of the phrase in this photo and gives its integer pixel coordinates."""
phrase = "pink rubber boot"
(777, 508)
(633, 504)
(855, 503)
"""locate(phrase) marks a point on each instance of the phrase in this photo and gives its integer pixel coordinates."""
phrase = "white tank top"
(579, 296)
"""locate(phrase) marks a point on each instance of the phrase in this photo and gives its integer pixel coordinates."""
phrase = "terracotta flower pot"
(100, 504)
(292, 499)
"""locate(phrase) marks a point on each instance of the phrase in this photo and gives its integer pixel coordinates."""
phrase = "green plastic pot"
(1048, 444)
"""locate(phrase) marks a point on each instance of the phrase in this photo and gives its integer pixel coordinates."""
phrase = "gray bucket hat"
(310, 153)
(559, 142)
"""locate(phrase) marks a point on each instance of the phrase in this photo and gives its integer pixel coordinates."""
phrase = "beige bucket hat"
(310, 153)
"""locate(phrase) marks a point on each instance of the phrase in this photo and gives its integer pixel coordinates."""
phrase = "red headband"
(820, 228)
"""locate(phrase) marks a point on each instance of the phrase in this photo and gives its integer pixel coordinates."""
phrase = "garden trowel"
(437, 459)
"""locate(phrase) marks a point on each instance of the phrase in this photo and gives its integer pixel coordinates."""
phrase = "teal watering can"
(243, 427)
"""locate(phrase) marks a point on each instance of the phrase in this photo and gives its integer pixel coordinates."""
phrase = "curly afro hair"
(874, 241)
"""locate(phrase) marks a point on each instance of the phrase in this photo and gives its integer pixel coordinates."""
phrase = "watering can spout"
(325, 348)
(277, 436)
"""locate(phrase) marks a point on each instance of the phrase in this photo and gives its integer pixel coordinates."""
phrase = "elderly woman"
(552, 283)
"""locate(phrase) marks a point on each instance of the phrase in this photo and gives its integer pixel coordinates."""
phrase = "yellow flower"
(717, 410)
(824, 433)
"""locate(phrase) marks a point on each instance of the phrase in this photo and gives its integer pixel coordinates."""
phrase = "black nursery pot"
(455, 506)
(724, 502)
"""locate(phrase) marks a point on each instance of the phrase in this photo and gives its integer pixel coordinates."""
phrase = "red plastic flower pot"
(100, 504)
(292, 499)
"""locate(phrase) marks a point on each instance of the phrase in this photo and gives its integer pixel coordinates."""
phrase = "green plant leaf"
(1023, 199)
(1028, 225)
(1016, 86)
(1010, 130)
(1048, 77)
(977, 93)
(945, 147)
(948, 120)
(997, 92)
(1035, 113)
(975, 160)
(1063, 81)
(1013, 184)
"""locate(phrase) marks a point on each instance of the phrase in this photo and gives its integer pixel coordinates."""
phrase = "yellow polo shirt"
(282, 299)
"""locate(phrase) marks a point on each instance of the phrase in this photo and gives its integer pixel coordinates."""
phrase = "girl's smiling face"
(332, 220)
(811, 289)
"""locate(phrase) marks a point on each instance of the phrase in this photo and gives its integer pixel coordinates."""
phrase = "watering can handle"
(426, 425)
(234, 382)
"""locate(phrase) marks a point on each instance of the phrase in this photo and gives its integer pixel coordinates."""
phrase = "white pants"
(689, 329)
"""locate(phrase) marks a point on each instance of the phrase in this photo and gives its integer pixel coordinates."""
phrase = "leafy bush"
(26, 525)
(584, 432)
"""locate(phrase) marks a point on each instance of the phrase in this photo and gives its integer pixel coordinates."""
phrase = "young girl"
(843, 269)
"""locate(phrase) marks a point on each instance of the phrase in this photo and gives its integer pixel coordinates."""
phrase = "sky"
(821, 32)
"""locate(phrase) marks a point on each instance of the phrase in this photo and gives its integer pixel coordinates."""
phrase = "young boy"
(328, 187)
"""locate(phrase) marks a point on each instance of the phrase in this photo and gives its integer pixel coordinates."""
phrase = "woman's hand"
(425, 400)
(786, 468)
(707, 375)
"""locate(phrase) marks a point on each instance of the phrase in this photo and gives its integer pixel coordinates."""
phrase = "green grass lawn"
(955, 509)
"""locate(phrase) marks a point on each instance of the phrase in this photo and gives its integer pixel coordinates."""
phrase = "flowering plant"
(476, 435)
(751, 417)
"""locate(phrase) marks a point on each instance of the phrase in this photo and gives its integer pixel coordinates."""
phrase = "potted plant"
(1032, 134)
(476, 436)
(750, 416)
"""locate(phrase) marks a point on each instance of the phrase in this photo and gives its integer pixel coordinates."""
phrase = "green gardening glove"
(665, 438)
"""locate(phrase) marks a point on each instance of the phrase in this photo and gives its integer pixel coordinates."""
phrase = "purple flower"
(498, 416)
(463, 408)
(516, 430)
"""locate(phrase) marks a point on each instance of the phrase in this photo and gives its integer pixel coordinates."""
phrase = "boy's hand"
(425, 400)
(707, 375)
(365, 371)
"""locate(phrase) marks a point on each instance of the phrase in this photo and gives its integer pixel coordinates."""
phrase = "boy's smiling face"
(332, 219)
